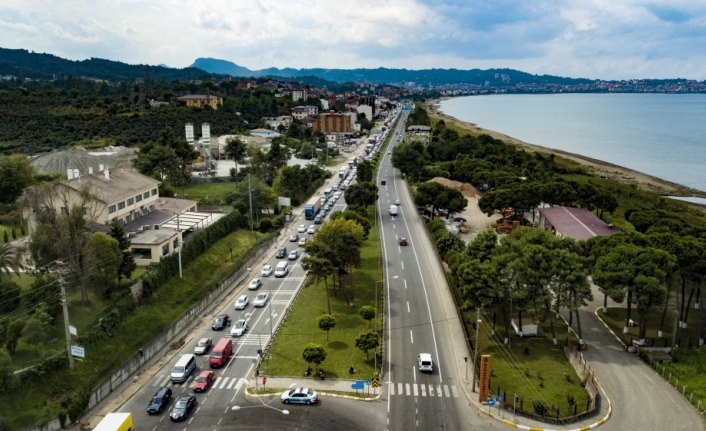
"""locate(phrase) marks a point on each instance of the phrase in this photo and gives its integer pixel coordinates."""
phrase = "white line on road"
(405, 283)
(411, 336)
(406, 389)
(402, 262)
(407, 306)
(416, 391)
(424, 390)
(446, 391)
(454, 390)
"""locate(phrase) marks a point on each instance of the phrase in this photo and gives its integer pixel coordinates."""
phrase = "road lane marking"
(217, 381)
(405, 283)
(402, 262)
(407, 306)
(423, 388)
(411, 336)
(406, 389)
(438, 391)
(232, 382)
(400, 390)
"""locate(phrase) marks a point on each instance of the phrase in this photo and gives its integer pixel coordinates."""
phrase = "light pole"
(250, 200)
(181, 240)
(475, 350)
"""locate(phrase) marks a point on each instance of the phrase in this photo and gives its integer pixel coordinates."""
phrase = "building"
(301, 112)
(576, 223)
(299, 94)
(264, 133)
(275, 122)
(367, 110)
(333, 123)
(200, 101)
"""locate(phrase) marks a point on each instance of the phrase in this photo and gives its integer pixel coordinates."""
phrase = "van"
(220, 353)
(393, 210)
(328, 191)
(425, 363)
(282, 269)
(183, 368)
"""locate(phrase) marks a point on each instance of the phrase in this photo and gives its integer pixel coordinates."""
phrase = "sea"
(662, 135)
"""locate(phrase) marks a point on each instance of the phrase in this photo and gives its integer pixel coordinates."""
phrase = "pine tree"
(127, 264)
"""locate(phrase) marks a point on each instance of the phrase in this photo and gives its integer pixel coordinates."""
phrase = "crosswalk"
(423, 390)
(228, 383)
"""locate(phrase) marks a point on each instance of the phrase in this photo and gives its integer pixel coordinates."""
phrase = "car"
(301, 228)
(293, 255)
(397, 202)
(239, 328)
(203, 381)
(318, 219)
(220, 322)
(160, 400)
(403, 240)
(294, 237)
(254, 284)
(299, 396)
(203, 346)
(302, 242)
(311, 230)
(182, 407)
(383, 182)
(261, 299)
(281, 253)
(327, 207)
(266, 271)
(241, 302)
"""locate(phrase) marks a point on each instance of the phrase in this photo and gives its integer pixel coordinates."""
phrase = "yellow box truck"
(116, 422)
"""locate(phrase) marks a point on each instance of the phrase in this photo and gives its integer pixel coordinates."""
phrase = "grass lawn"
(37, 401)
(300, 326)
(213, 193)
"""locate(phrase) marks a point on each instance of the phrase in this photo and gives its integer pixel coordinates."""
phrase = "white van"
(282, 269)
(183, 368)
(425, 363)
(393, 210)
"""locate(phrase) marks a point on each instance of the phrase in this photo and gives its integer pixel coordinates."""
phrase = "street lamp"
(475, 350)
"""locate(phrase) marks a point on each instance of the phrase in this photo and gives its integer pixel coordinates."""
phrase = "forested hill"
(26, 64)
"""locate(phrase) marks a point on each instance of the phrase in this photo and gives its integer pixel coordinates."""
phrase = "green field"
(207, 193)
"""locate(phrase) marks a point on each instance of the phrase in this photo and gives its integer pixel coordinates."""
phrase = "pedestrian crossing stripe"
(219, 383)
(418, 389)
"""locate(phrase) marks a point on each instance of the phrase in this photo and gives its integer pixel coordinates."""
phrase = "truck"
(342, 172)
(116, 422)
(312, 207)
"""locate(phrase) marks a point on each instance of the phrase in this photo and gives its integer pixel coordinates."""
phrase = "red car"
(203, 381)
(403, 240)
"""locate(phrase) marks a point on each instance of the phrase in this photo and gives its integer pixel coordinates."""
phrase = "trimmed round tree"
(314, 354)
(367, 341)
(326, 323)
(367, 312)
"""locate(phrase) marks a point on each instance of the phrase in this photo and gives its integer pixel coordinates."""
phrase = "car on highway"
(294, 237)
(220, 322)
(261, 299)
(299, 396)
(327, 208)
(311, 230)
(266, 271)
(203, 381)
(403, 240)
(293, 255)
(254, 284)
(397, 202)
(302, 242)
(241, 302)
(182, 407)
(301, 228)
(203, 346)
(426, 365)
(239, 328)
(281, 253)
(318, 219)
(160, 400)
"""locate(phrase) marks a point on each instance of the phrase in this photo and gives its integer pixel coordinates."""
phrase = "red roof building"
(576, 223)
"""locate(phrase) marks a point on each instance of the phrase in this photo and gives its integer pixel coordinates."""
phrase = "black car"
(182, 407)
(281, 253)
(220, 322)
(160, 400)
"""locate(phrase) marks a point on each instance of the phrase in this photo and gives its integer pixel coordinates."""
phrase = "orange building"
(333, 123)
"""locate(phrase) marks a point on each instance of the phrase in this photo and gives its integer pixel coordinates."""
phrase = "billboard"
(484, 380)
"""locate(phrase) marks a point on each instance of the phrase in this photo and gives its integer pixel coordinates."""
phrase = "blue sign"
(491, 402)
(368, 382)
(359, 384)
(501, 398)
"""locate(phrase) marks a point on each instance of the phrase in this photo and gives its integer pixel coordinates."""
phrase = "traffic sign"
(359, 384)
(264, 380)
(491, 402)
(375, 382)
(501, 398)
(78, 351)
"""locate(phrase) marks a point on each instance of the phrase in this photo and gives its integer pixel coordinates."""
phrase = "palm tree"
(9, 262)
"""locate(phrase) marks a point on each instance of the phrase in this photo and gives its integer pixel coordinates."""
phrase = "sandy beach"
(597, 167)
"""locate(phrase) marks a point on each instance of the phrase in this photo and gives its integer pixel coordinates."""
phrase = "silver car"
(261, 299)
(241, 325)
(203, 346)
(241, 302)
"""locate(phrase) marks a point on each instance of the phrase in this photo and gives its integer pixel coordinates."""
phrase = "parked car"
(281, 253)
(266, 271)
(160, 400)
(299, 396)
(294, 237)
(203, 381)
(293, 255)
(311, 230)
(241, 302)
(203, 346)
(301, 228)
(254, 284)
(183, 407)
(261, 299)
(403, 240)
(239, 328)
(220, 322)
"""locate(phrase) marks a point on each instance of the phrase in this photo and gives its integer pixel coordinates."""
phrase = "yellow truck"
(116, 422)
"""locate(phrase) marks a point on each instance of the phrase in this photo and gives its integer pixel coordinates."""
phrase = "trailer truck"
(312, 207)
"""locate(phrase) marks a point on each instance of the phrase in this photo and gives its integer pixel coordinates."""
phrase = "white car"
(301, 228)
(254, 284)
(241, 325)
(241, 302)
(266, 271)
(261, 299)
(311, 230)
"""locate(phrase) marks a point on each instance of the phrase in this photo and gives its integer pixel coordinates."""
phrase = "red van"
(221, 353)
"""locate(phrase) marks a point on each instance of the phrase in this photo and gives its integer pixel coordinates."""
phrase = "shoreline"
(597, 167)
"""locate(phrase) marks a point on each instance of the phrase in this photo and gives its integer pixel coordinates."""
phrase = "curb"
(325, 394)
(595, 312)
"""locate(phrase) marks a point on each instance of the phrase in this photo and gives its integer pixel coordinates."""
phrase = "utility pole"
(65, 307)
(475, 350)
(250, 199)
(181, 240)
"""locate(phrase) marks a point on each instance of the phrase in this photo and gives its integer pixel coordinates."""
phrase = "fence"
(674, 381)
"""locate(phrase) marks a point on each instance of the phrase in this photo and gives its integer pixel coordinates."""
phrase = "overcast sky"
(600, 39)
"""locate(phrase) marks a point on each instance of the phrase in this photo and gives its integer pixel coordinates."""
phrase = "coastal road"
(420, 318)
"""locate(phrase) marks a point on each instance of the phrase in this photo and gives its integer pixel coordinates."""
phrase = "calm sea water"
(663, 135)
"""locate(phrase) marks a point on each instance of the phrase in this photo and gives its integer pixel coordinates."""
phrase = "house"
(300, 112)
(299, 94)
(576, 223)
(200, 101)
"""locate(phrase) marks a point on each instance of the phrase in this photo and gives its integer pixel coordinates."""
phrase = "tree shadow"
(338, 345)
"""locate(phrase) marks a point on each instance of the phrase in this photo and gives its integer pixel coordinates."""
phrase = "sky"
(597, 39)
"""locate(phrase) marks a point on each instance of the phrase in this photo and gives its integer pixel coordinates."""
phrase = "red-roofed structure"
(576, 223)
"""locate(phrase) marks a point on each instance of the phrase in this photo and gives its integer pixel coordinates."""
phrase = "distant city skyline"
(596, 39)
